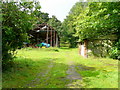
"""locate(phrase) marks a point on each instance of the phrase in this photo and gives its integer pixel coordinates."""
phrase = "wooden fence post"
(79, 45)
(56, 40)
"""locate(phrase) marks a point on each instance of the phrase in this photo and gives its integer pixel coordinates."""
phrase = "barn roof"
(42, 27)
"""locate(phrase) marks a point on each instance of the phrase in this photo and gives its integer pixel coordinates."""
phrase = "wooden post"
(54, 37)
(47, 36)
(82, 50)
(37, 38)
(101, 48)
(107, 47)
(79, 48)
(56, 40)
(51, 38)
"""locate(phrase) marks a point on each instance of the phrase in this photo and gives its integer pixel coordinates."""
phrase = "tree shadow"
(66, 48)
(86, 71)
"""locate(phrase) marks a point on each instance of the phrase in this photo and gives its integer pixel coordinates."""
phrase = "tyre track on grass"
(36, 81)
(75, 79)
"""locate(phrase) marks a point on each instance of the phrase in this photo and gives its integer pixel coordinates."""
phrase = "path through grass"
(60, 68)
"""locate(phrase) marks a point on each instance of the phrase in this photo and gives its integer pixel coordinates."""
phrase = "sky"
(59, 8)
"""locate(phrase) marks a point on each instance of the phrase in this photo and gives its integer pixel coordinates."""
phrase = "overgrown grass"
(23, 72)
(97, 72)
(31, 62)
(46, 68)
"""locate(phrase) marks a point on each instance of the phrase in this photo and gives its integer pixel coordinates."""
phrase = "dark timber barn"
(44, 33)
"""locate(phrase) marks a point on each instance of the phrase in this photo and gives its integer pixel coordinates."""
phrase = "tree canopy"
(94, 19)
(56, 24)
(98, 19)
(17, 20)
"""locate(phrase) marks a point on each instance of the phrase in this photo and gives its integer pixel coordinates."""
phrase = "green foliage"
(69, 28)
(41, 17)
(89, 73)
(97, 20)
(115, 51)
(56, 24)
(17, 21)
(94, 20)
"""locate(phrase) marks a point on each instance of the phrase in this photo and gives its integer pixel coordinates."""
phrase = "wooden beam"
(42, 30)
(54, 37)
(51, 39)
(47, 36)
(56, 40)
(79, 48)
(37, 38)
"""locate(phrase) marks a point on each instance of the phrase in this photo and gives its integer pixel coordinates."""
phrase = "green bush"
(15, 25)
(115, 51)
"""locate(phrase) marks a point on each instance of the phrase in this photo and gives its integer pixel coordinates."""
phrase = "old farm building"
(44, 33)
(98, 47)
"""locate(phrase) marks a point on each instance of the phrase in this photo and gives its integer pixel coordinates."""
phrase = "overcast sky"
(59, 8)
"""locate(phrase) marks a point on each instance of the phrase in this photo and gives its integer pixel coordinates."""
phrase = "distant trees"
(69, 26)
(56, 24)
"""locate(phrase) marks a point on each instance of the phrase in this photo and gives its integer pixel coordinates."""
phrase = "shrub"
(115, 51)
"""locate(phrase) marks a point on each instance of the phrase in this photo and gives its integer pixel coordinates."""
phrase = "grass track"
(47, 68)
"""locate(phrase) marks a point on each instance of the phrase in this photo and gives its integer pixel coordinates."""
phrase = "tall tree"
(68, 25)
(17, 20)
(98, 19)
(56, 24)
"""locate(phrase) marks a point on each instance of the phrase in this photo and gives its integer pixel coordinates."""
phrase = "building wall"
(83, 49)
(99, 48)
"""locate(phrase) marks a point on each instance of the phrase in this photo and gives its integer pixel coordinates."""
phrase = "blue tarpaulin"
(43, 44)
